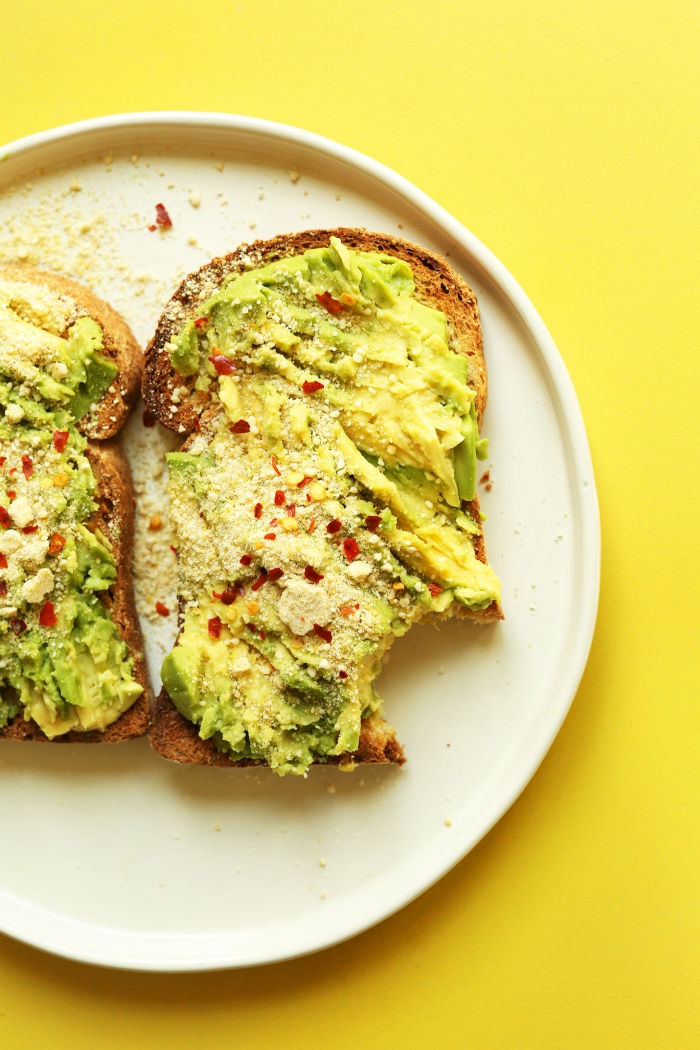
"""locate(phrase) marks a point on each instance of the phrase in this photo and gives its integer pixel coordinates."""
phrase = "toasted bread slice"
(114, 494)
(120, 347)
(437, 285)
(115, 518)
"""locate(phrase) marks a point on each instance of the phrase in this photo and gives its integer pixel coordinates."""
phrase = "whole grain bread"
(114, 517)
(120, 347)
(439, 286)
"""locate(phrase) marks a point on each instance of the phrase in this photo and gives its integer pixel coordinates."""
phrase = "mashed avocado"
(62, 662)
(326, 509)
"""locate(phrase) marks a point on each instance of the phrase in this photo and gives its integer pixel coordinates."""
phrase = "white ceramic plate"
(113, 856)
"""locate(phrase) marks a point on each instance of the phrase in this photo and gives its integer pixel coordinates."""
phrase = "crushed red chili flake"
(3, 460)
(347, 610)
(246, 559)
(60, 439)
(47, 615)
(342, 674)
(334, 306)
(28, 529)
(292, 510)
(351, 548)
(305, 481)
(3, 584)
(434, 589)
(3, 565)
(276, 469)
(252, 627)
(27, 467)
(18, 626)
(201, 322)
(334, 526)
(323, 633)
(214, 626)
(373, 521)
(262, 578)
(263, 636)
(312, 575)
(163, 610)
(357, 605)
(162, 217)
(11, 494)
(173, 549)
(273, 521)
(258, 510)
(270, 536)
(275, 574)
(279, 498)
(149, 420)
(229, 596)
(241, 426)
(56, 543)
(312, 526)
(308, 498)
(224, 366)
(12, 470)
(311, 386)
(152, 227)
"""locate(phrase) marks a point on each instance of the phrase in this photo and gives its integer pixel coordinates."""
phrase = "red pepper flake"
(60, 439)
(3, 584)
(3, 565)
(334, 526)
(262, 578)
(292, 510)
(342, 674)
(173, 549)
(305, 481)
(214, 626)
(258, 510)
(162, 217)
(323, 633)
(11, 494)
(270, 536)
(47, 615)
(334, 306)
(357, 605)
(312, 575)
(311, 386)
(312, 526)
(152, 227)
(347, 610)
(276, 469)
(18, 626)
(229, 595)
(27, 467)
(373, 521)
(149, 420)
(162, 609)
(225, 367)
(12, 470)
(275, 574)
(201, 322)
(28, 529)
(241, 426)
(56, 543)
(263, 636)
(246, 559)
(273, 521)
(351, 549)
(279, 498)
(434, 589)
(252, 627)
(3, 460)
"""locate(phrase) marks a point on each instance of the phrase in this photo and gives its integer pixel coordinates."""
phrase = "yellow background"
(565, 135)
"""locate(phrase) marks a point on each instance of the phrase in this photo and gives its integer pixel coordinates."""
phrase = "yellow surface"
(565, 135)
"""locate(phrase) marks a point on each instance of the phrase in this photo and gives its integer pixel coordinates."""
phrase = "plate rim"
(581, 474)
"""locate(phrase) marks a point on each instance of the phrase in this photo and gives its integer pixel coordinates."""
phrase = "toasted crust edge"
(120, 346)
(115, 518)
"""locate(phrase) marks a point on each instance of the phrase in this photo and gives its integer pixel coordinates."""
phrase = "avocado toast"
(71, 665)
(333, 385)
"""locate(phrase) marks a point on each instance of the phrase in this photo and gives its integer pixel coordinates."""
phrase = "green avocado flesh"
(62, 662)
(327, 507)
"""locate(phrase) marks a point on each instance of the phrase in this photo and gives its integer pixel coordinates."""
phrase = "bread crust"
(438, 285)
(120, 346)
(115, 519)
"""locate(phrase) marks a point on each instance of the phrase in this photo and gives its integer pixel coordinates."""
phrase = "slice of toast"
(114, 495)
(439, 286)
